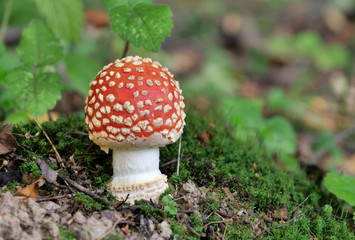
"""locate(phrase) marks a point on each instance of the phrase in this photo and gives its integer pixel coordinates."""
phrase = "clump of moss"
(88, 202)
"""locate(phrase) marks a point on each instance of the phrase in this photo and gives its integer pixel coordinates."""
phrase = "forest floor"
(226, 189)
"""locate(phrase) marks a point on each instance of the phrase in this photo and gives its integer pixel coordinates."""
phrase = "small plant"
(343, 186)
(170, 206)
(327, 209)
(36, 85)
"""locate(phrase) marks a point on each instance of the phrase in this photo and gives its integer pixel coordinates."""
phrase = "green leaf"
(332, 57)
(166, 199)
(2, 48)
(244, 112)
(279, 136)
(308, 43)
(114, 3)
(81, 70)
(343, 186)
(65, 17)
(39, 46)
(34, 92)
(277, 100)
(143, 24)
(18, 116)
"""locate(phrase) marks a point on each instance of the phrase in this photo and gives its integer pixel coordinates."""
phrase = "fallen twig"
(99, 191)
(58, 157)
(122, 202)
(227, 215)
(171, 162)
(84, 190)
(119, 221)
(178, 160)
(207, 224)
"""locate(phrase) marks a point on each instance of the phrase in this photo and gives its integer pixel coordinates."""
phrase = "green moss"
(9, 187)
(196, 223)
(88, 202)
(178, 231)
(238, 231)
(228, 162)
(65, 234)
(31, 167)
(148, 210)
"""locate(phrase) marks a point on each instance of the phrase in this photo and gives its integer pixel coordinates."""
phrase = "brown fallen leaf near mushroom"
(30, 191)
(7, 142)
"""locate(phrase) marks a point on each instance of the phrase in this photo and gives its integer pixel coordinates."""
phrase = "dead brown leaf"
(48, 173)
(30, 191)
(126, 229)
(7, 142)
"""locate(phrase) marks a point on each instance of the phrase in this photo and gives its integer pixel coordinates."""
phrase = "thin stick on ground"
(58, 157)
(85, 190)
(224, 221)
(63, 196)
(178, 160)
(171, 162)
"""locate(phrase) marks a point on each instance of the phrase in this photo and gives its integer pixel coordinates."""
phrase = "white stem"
(135, 166)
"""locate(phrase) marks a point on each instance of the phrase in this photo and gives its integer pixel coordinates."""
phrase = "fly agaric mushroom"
(135, 106)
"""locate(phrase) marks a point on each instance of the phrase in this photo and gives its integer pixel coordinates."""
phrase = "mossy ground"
(276, 203)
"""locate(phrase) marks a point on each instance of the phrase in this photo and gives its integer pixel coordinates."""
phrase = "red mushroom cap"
(134, 102)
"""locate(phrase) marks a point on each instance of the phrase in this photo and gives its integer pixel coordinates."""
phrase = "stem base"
(148, 190)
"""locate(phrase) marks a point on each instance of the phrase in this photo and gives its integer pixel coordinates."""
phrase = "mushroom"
(134, 106)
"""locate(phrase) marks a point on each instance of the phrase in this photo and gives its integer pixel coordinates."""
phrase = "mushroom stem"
(136, 172)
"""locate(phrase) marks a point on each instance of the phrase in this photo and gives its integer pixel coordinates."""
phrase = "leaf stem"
(5, 19)
(125, 50)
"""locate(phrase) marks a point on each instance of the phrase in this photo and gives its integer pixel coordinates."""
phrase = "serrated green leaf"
(65, 17)
(279, 136)
(39, 46)
(343, 186)
(81, 70)
(143, 24)
(34, 92)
